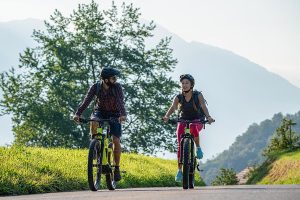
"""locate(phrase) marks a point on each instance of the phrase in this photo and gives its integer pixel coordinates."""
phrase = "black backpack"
(196, 100)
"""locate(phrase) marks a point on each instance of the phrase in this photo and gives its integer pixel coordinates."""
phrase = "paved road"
(252, 192)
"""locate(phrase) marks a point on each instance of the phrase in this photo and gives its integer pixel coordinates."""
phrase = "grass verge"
(28, 170)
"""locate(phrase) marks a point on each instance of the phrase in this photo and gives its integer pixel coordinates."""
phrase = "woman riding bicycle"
(189, 111)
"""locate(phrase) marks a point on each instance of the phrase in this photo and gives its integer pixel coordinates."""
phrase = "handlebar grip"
(83, 120)
(173, 121)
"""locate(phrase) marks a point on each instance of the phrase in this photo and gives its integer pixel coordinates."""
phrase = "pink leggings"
(195, 128)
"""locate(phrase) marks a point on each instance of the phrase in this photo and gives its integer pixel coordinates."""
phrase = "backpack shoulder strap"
(114, 92)
(196, 99)
(98, 87)
(197, 102)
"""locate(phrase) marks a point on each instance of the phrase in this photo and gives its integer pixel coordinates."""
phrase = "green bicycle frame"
(103, 137)
(187, 131)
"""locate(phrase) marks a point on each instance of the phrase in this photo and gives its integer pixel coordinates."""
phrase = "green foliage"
(284, 139)
(27, 170)
(54, 77)
(225, 177)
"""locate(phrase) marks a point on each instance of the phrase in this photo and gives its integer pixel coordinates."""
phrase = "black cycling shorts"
(115, 126)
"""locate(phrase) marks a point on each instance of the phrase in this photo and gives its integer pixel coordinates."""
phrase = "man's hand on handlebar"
(122, 119)
(76, 118)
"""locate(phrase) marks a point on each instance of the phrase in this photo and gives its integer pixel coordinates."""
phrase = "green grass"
(27, 170)
(281, 168)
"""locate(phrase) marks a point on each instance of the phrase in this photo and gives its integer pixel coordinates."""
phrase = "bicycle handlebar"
(174, 121)
(85, 121)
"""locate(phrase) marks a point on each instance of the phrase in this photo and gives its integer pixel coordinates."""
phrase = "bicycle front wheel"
(192, 173)
(110, 181)
(186, 163)
(94, 166)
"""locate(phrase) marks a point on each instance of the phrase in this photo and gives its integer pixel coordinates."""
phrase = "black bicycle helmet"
(188, 77)
(108, 72)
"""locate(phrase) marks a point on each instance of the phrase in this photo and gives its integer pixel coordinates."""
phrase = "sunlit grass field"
(285, 170)
(280, 168)
(28, 170)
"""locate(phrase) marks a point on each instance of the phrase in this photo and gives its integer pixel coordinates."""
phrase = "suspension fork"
(187, 130)
(191, 142)
(106, 149)
(101, 138)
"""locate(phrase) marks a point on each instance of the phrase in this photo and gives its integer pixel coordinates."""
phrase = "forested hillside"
(247, 148)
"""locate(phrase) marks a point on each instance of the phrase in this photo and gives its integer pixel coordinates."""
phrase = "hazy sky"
(266, 32)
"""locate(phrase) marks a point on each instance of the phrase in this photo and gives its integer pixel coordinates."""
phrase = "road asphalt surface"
(241, 192)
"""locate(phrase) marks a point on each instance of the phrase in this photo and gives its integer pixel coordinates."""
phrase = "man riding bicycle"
(188, 101)
(109, 103)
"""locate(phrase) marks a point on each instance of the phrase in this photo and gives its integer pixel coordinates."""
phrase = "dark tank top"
(188, 111)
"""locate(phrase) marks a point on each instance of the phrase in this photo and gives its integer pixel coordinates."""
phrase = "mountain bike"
(100, 156)
(187, 153)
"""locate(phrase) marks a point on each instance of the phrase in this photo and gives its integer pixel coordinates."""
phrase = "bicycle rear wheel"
(94, 167)
(186, 164)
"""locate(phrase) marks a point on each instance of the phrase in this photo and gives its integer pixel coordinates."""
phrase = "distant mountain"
(238, 91)
(15, 36)
(247, 148)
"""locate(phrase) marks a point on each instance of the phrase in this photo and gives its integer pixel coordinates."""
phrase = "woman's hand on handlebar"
(210, 120)
(166, 119)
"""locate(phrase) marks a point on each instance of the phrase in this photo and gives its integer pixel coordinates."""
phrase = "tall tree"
(284, 138)
(71, 53)
(225, 177)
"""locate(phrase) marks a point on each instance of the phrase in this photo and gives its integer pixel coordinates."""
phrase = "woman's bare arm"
(172, 109)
